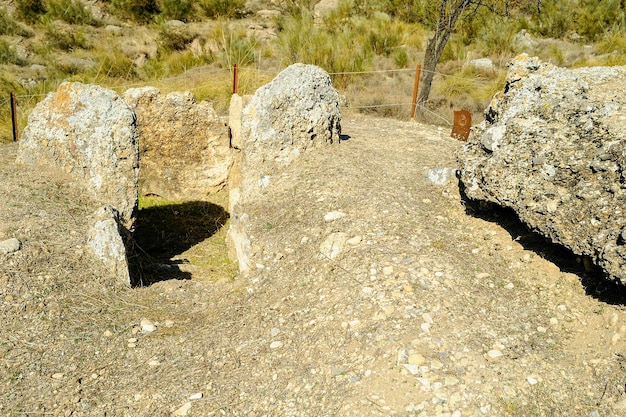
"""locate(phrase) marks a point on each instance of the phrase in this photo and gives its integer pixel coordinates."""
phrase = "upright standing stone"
(88, 131)
(298, 110)
(184, 145)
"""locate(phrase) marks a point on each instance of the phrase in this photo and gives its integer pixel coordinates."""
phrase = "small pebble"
(354, 240)
(509, 286)
(388, 270)
(58, 375)
(532, 380)
(333, 215)
(182, 411)
(147, 326)
(494, 354)
(276, 344)
(196, 396)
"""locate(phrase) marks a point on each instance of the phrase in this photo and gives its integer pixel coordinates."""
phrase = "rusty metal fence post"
(416, 83)
(235, 78)
(14, 117)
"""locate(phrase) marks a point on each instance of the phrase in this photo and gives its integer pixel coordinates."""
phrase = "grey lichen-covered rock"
(552, 148)
(88, 131)
(298, 110)
(106, 242)
(184, 145)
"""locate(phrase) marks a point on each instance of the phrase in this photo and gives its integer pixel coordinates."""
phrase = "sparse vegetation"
(357, 36)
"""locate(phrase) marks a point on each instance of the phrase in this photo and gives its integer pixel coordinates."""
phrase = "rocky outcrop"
(184, 145)
(295, 112)
(89, 132)
(552, 148)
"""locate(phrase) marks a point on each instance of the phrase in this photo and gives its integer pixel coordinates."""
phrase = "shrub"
(141, 11)
(235, 46)
(296, 7)
(400, 57)
(30, 10)
(10, 27)
(176, 9)
(613, 40)
(114, 64)
(337, 52)
(222, 8)
(174, 38)
(65, 38)
(8, 54)
(70, 11)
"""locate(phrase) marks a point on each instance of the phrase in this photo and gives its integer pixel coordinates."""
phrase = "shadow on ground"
(163, 232)
(595, 282)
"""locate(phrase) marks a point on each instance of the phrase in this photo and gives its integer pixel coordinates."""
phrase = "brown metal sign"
(462, 125)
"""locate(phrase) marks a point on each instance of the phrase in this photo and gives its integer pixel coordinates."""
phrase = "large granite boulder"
(89, 132)
(553, 149)
(184, 145)
(296, 112)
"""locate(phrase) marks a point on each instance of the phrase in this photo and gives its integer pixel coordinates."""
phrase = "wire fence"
(367, 98)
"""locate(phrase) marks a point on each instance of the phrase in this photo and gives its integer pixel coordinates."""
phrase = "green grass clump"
(228, 9)
(8, 54)
(8, 25)
(176, 9)
(65, 38)
(174, 38)
(613, 40)
(30, 10)
(73, 12)
(141, 11)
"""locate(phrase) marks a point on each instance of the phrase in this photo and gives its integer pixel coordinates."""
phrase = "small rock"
(58, 375)
(613, 320)
(494, 354)
(333, 215)
(107, 333)
(196, 396)
(182, 411)
(333, 245)
(482, 275)
(413, 369)
(532, 380)
(276, 344)
(274, 331)
(416, 359)
(10, 246)
(147, 326)
(388, 270)
(354, 240)
(154, 362)
(509, 286)
(541, 329)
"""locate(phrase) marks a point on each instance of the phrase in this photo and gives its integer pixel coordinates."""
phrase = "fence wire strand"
(194, 72)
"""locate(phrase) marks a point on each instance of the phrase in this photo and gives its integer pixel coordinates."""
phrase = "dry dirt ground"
(432, 308)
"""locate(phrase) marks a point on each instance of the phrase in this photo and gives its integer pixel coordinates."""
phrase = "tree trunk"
(446, 23)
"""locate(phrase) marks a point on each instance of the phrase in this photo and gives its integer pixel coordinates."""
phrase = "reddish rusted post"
(416, 83)
(14, 116)
(235, 78)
